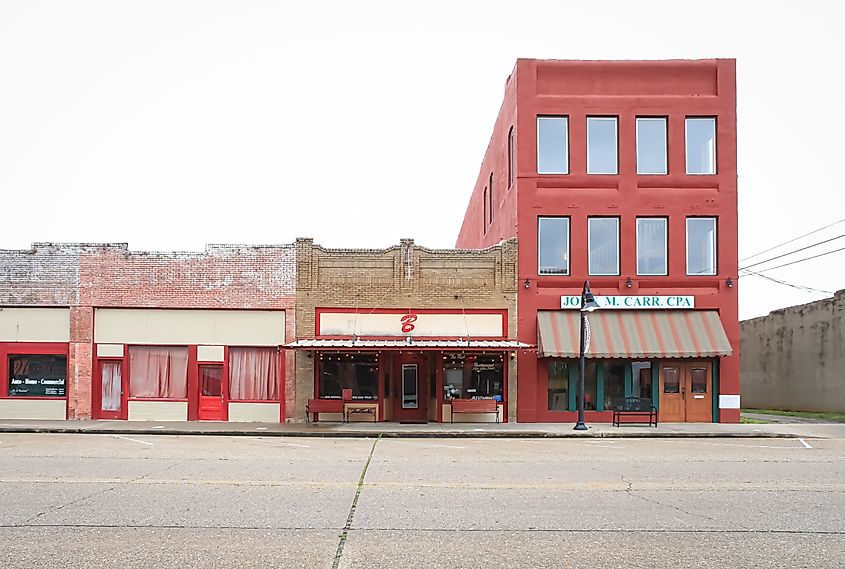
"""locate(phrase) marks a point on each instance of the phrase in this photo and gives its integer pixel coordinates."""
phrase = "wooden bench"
(634, 410)
(475, 406)
(317, 406)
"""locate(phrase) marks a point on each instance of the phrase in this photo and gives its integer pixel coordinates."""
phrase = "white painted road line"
(158, 427)
(293, 445)
(260, 428)
(133, 440)
(805, 443)
(434, 445)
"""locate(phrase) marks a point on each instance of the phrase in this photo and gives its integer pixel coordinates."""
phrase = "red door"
(412, 394)
(113, 390)
(212, 393)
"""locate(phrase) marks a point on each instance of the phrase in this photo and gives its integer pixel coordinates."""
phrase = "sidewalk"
(432, 430)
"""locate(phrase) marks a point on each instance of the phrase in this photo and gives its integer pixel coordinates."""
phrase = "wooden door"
(113, 390)
(699, 394)
(686, 392)
(671, 393)
(212, 405)
(411, 390)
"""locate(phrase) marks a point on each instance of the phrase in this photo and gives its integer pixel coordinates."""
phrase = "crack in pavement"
(631, 492)
(341, 544)
(53, 509)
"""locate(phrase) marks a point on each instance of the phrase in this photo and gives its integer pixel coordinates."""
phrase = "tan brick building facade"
(402, 279)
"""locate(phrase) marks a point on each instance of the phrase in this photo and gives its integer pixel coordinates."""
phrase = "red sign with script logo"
(408, 322)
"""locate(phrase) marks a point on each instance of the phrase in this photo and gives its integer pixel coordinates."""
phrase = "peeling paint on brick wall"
(87, 276)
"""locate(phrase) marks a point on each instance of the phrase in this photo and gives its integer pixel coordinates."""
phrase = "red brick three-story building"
(622, 173)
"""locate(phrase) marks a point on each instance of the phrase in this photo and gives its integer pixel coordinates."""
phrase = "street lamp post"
(588, 304)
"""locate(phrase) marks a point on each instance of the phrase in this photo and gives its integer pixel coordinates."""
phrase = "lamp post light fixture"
(588, 304)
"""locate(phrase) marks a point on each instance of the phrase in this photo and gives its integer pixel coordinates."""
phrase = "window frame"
(665, 244)
(511, 155)
(566, 164)
(715, 168)
(715, 244)
(615, 120)
(618, 247)
(568, 246)
(665, 120)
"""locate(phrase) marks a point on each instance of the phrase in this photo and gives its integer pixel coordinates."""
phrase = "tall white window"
(701, 145)
(602, 147)
(651, 145)
(553, 245)
(552, 145)
(651, 246)
(701, 245)
(603, 245)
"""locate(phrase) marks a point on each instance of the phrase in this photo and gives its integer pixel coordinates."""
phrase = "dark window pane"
(699, 379)
(642, 379)
(671, 380)
(358, 372)
(37, 376)
(614, 384)
(558, 372)
(410, 384)
(590, 383)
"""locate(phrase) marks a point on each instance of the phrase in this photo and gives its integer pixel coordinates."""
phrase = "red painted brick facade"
(84, 277)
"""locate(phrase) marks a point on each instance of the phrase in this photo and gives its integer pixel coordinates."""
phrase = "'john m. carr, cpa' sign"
(632, 302)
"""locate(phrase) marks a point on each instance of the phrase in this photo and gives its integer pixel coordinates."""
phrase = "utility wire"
(778, 281)
(792, 240)
(795, 251)
(802, 260)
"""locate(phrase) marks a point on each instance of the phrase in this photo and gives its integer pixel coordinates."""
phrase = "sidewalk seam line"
(345, 534)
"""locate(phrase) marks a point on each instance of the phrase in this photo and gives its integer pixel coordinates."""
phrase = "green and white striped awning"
(633, 334)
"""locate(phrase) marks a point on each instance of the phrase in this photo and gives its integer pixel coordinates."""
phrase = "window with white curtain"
(651, 246)
(253, 374)
(159, 372)
(701, 245)
(110, 386)
(603, 245)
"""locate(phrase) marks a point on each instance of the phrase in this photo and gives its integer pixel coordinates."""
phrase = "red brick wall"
(85, 276)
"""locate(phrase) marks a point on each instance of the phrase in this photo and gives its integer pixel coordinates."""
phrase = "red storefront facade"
(622, 173)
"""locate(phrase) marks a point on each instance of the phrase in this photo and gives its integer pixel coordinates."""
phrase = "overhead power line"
(802, 260)
(785, 283)
(795, 251)
(792, 240)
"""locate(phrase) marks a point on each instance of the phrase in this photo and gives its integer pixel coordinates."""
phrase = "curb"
(406, 435)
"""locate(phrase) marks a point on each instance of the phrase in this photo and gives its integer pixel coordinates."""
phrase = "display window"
(339, 371)
(474, 377)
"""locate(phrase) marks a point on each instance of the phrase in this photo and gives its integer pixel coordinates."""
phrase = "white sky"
(172, 124)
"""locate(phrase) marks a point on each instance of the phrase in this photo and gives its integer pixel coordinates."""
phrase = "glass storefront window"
(558, 372)
(474, 377)
(358, 372)
(642, 379)
(614, 384)
(590, 385)
(37, 376)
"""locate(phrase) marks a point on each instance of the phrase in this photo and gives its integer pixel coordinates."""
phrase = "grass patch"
(749, 421)
(837, 417)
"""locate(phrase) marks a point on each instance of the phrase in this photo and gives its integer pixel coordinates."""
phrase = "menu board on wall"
(37, 376)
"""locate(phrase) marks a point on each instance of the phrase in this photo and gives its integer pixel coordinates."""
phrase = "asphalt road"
(168, 501)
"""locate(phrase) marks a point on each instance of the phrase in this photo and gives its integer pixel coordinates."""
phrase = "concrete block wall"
(401, 276)
(88, 276)
(794, 358)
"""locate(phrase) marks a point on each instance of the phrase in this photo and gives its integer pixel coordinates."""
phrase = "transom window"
(553, 245)
(603, 245)
(552, 145)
